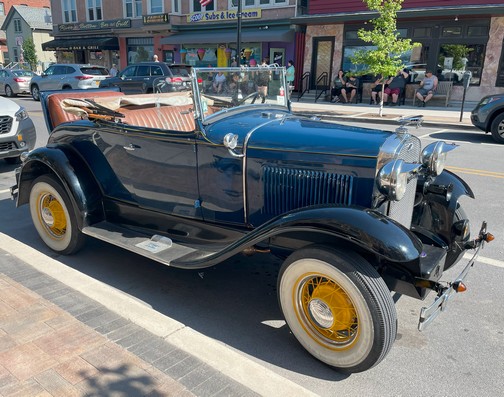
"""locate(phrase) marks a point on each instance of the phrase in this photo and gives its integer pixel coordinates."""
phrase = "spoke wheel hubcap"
(327, 311)
(52, 215)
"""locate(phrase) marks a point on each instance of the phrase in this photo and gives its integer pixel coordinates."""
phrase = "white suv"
(17, 132)
(67, 77)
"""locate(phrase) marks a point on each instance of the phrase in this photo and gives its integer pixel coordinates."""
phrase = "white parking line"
(487, 261)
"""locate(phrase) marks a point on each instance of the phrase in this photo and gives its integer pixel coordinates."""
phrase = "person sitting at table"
(351, 86)
(427, 88)
(377, 89)
(338, 83)
(218, 84)
(396, 85)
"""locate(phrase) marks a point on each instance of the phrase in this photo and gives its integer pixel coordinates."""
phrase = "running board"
(158, 248)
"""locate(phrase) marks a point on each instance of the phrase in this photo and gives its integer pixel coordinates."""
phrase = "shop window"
(351, 35)
(168, 56)
(140, 49)
(422, 32)
(455, 59)
(15, 54)
(94, 10)
(475, 31)
(132, 8)
(69, 9)
(451, 31)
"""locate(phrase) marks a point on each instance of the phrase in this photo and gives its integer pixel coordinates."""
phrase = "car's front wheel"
(497, 128)
(53, 216)
(338, 307)
(35, 93)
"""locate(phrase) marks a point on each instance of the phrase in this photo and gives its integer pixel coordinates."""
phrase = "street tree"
(29, 53)
(386, 46)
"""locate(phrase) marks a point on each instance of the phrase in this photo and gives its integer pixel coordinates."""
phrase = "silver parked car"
(17, 132)
(68, 77)
(15, 81)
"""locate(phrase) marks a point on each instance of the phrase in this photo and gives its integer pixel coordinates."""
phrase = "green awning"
(88, 43)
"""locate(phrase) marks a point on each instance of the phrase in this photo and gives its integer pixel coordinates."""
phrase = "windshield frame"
(273, 99)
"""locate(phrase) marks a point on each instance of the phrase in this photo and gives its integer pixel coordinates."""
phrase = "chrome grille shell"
(407, 148)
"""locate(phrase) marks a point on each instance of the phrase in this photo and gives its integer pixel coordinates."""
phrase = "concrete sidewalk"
(55, 341)
(434, 116)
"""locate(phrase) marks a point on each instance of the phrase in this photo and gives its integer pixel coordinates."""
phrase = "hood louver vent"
(286, 189)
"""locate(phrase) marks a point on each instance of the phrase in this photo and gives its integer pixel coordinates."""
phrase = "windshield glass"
(219, 89)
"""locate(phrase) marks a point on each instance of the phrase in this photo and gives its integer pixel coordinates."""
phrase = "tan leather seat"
(56, 112)
(176, 118)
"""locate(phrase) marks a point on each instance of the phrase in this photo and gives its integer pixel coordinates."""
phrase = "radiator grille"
(402, 211)
(286, 189)
(5, 124)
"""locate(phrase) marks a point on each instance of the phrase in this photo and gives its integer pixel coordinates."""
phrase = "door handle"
(131, 147)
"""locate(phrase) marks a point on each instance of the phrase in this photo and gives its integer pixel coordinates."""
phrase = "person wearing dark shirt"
(396, 85)
(351, 86)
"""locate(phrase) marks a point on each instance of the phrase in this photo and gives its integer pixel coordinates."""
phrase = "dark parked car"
(488, 116)
(190, 179)
(147, 77)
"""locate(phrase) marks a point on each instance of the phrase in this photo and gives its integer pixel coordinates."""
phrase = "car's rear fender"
(74, 175)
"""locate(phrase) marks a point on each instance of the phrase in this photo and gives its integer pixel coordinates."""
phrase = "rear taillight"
(174, 80)
(19, 80)
(83, 77)
(200, 81)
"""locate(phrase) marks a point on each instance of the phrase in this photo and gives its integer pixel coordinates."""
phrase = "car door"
(125, 80)
(52, 78)
(141, 81)
(161, 170)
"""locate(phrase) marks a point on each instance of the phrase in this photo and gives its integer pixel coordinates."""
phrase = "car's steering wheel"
(253, 95)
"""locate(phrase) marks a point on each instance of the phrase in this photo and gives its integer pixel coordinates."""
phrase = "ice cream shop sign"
(216, 16)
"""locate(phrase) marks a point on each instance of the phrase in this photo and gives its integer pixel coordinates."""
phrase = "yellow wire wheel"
(338, 307)
(51, 214)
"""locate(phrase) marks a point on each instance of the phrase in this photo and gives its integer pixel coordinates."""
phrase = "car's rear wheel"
(497, 128)
(35, 93)
(338, 307)
(9, 92)
(53, 216)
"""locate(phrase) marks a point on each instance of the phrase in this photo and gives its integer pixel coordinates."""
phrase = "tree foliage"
(385, 57)
(30, 54)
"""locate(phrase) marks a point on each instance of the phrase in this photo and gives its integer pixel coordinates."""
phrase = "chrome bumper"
(428, 314)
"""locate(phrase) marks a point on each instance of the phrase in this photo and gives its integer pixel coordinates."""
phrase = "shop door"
(323, 50)
(277, 55)
(80, 57)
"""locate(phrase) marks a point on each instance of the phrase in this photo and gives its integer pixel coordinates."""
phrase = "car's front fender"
(370, 230)
(75, 178)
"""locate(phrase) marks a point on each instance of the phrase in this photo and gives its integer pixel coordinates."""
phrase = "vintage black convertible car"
(190, 179)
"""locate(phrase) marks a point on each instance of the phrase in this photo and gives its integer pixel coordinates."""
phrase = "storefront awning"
(89, 43)
(249, 35)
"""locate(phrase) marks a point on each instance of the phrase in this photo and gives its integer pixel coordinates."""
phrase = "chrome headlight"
(434, 156)
(21, 114)
(393, 178)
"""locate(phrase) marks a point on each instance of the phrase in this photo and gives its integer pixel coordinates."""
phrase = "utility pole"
(238, 28)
